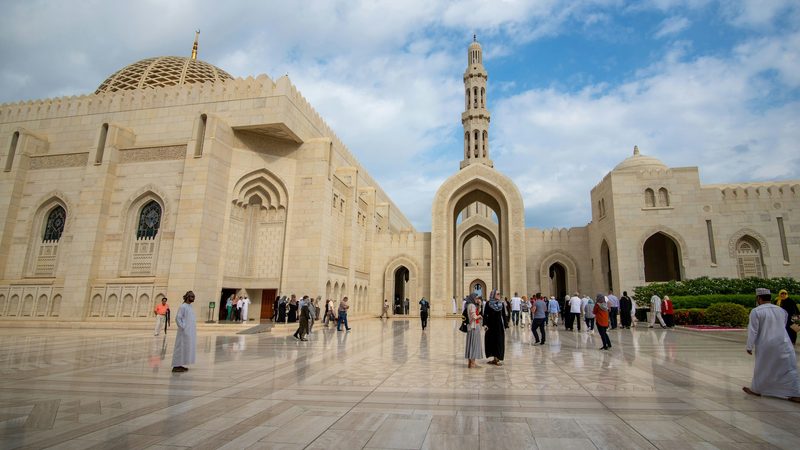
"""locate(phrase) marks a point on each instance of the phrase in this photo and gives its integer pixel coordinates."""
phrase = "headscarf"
(495, 304)
(600, 300)
(782, 291)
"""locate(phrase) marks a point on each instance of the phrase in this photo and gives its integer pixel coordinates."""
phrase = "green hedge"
(704, 301)
(714, 286)
(727, 315)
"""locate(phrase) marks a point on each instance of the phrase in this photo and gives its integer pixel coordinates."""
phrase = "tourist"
(655, 311)
(525, 311)
(291, 315)
(633, 313)
(625, 305)
(455, 311)
(329, 315)
(162, 313)
(601, 316)
(775, 371)
(186, 337)
(506, 312)
(515, 308)
(494, 319)
(229, 308)
(539, 309)
(282, 310)
(563, 305)
(245, 308)
(575, 304)
(238, 312)
(343, 307)
(313, 313)
(588, 315)
(555, 310)
(385, 312)
(406, 306)
(473, 349)
(424, 306)
(668, 312)
(613, 309)
(790, 307)
(302, 330)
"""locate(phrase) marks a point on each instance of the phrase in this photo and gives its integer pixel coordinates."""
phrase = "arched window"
(483, 98)
(149, 220)
(663, 197)
(466, 98)
(466, 143)
(649, 198)
(485, 140)
(748, 258)
(476, 142)
(475, 97)
(55, 224)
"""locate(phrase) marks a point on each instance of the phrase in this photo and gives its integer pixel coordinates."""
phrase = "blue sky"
(573, 85)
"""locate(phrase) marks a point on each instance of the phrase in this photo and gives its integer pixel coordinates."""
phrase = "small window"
(663, 197)
(55, 224)
(12, 150)
(649, 198)
(101, 144)
(149, 221)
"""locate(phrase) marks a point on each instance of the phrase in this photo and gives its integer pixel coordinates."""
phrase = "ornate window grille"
(149, 221)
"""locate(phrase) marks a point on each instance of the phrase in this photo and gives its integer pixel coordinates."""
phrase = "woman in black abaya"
(494, 321)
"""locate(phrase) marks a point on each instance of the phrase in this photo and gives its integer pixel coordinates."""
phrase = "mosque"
(173, 175)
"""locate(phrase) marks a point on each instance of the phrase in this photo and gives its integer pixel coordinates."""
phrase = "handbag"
(463, 327)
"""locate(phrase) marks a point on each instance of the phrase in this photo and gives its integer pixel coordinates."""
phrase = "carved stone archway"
(566, 261)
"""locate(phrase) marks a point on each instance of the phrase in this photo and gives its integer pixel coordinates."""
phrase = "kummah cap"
(762, 291)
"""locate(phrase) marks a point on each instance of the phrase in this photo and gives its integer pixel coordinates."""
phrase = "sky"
(573, 85)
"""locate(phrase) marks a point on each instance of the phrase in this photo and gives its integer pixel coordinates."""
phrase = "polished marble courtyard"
(385, 384)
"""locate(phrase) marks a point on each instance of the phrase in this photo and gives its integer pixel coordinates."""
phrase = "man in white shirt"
(575, 305)
(554, 310)
(516, 301)
(775, 371)
(655, 311)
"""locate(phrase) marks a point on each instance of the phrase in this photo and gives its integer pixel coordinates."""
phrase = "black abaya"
(495, 337)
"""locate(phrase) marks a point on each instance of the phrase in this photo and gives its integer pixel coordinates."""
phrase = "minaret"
(475, 117)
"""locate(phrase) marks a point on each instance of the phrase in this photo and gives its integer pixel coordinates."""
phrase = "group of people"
(424, 310)
(306, 311)
(236, 309)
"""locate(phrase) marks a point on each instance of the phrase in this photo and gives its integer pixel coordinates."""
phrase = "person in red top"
(161, 316)
(601, 320)
(668, 312)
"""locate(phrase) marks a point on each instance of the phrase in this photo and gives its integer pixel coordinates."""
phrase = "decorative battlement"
(556, 234)
(755, 191)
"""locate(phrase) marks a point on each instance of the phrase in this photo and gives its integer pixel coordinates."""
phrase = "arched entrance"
(558, 280)
(478, 286)
(477, 183)
(400, 293)
(662, 261)
(605, 267)
(474, 264)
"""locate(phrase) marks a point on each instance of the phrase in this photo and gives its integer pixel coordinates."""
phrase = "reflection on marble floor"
(385, 384)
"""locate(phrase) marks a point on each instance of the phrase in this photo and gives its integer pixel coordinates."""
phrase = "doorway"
(558, 280)
(223, 300)
(268, 304)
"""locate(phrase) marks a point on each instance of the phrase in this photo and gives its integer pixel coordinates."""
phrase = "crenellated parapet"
(757, 191)
(556, 235)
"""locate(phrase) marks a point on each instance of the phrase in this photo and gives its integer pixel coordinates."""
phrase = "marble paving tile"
(384, 385)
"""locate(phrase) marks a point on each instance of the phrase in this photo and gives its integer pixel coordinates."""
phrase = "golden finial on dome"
(194, 47)
(635, 150)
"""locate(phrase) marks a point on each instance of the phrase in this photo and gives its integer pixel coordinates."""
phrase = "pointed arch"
(570, 267)
(662, 253)
(413, 286)
(742, 232)
(48, 225)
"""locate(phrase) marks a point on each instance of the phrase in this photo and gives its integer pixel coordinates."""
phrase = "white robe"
(775, 372)
(245, 306)
(186, 338)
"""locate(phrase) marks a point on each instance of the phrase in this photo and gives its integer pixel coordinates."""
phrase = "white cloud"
(671, 26)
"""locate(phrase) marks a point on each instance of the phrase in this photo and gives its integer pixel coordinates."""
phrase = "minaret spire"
(475, 118)
(194, 47)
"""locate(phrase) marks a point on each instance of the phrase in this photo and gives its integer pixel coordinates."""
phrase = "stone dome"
(161, 72)
(639, 161)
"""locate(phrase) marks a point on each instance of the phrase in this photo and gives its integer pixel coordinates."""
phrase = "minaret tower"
(475, 117)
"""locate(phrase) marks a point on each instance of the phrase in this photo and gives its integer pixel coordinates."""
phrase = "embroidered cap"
(762, 291)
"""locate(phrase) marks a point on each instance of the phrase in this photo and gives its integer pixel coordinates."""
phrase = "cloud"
(671, 26)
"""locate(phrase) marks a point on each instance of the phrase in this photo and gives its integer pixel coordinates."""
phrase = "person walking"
(516, 303)
(575, 305)
(790, 307)
(343, 307)
(625, 305)
(613, 309)
(313, 313)
(329, 314)
(655, 311)
(668, 312)
(229, 308)
(161, 310)
(186, 337)
(474, 348)
(385, 312)
(494, 317)
(305, 313)
(424, 306)
(406, 306)
(601, 317)
(539, 309)
(588, 314)
(775, 371)
(554, 310)
(525, 311)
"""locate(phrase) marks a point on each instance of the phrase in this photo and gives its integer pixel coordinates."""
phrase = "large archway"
(662, 260)
(557, 275)
(481, 184)
(605, 267)
(401, 280)
(400, 292)
(469, 231)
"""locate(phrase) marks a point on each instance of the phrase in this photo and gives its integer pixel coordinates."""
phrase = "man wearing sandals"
(775, 372)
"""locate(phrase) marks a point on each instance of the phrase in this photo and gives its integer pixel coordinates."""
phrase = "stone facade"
(113, 200)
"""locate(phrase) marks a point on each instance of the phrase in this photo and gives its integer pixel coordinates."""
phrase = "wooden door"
(267, 303)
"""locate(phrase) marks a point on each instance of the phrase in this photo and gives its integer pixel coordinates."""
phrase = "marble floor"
(385, 384)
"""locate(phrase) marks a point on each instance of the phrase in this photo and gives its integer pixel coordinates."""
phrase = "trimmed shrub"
(713, 286)
(704, 301)
(694, 316)
(727, 315)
